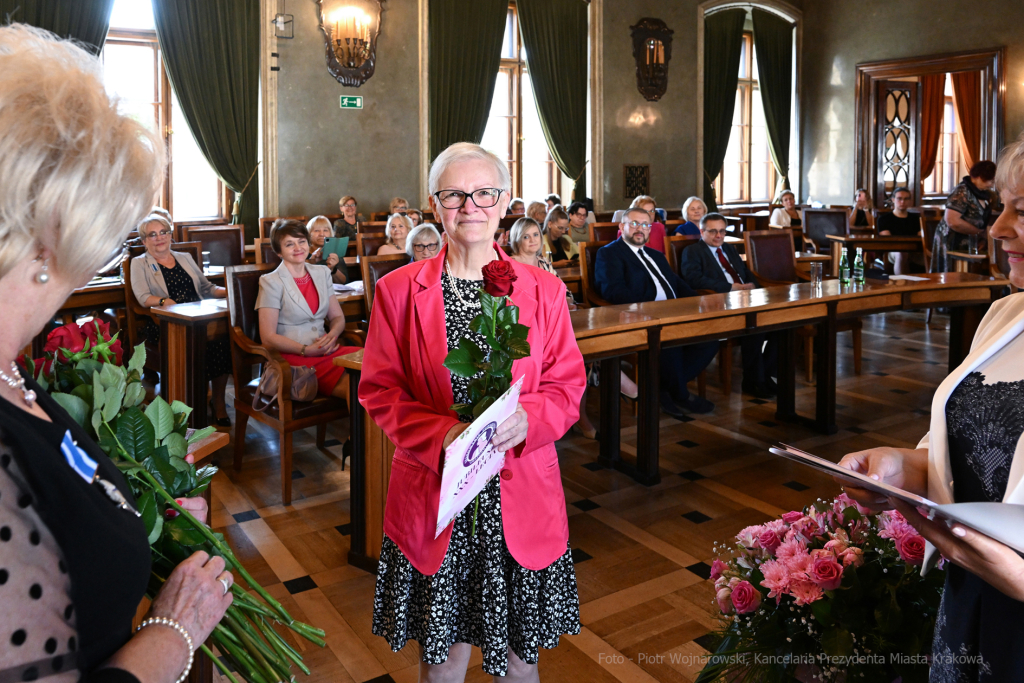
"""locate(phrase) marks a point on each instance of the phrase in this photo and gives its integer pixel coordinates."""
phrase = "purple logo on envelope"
(479, 445)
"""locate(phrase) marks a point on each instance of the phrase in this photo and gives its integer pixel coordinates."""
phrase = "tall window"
(748, 174)
(946, 174)
(513, 128)
(133, 71)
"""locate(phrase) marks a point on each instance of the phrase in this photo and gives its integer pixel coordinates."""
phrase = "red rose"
(68, 337)
(911, 548)
(104, 335)
(498, 278)
(745, 598)
(827, 573)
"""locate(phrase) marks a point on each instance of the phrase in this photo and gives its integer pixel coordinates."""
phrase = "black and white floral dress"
(480, 595)
(977, 634)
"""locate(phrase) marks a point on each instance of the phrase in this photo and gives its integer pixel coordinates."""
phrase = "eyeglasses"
(637, 224)
(163, 233)
(715, 232)
(348, 206)
(426, 247)
(484, 198)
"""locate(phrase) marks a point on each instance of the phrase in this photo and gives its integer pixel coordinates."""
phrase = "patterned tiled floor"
(642, 554)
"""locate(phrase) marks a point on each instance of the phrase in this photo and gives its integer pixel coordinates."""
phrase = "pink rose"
(805, 591)
(911, 548)
(724, 601)
(792, 517)
(717, 568)
(836, 545)
(776, 578)
(769, 540)
(854, 556)
(745, 598)
(827, 573)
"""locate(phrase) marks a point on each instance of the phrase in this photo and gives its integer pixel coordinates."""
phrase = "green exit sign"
(351, 102)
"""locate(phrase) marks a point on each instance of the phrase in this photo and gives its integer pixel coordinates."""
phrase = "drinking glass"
(817, 268)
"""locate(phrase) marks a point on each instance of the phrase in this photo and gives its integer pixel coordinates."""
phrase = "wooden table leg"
(183, 369)
(358, 553)
(785, 403)
(608, 449)
(825, 398)
(837, 256)
(649, 410)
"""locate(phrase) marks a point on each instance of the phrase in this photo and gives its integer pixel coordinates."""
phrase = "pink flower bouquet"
(835, 588)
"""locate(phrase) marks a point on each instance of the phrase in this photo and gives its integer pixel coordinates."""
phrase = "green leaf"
(837, 642)
(500, 363)
(488, 304)
(508, 316)
(462, 408)
(200, 434)
(84, 392)
(135, 432)
(520, 331)
(176, 446)
(110, 375)
(180, 408)
(112, 401)
(822, 610)
(98, 392)
(89, 366)
(162, 417)
(518, 348)
(182, 531)
(97, 421)
(459, 362)
(159, 465)
(76, 407)
(150, 513)
(483, 405)
(134, 394)
(44, 383)
(138, 360)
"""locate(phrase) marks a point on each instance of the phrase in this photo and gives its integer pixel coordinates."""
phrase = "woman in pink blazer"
(510, 589)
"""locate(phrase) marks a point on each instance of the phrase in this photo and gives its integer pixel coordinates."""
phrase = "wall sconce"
(350, 35)
(652, 49)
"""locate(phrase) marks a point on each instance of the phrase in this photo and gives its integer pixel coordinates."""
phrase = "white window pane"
(508, 45)
(760, 154)
(496, 135)
(129, 72)
(500, 102)
(743, 59)
(535, 148)
(133, 14)
(194, 185)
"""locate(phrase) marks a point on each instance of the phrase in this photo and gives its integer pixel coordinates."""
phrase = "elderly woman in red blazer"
(510, 588)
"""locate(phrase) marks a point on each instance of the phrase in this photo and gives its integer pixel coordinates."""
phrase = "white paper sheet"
(470, 461)
(355, 287)
(910, 278)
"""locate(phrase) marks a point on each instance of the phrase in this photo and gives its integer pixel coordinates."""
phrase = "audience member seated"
(656, 240)
(398, 205)
(294, 329)
(578, 231)
(423, 242)
(397, 230)
(717, 266)
(319, 229)
(537, 212)
(516, 206)
(694, 209)
(162, 277)
(160, 211)
(416, 216)
(901, 223)
(346, 225)
(558, 248)
(967, 211)
(860, 214)
(786, 216)
(627, 272)
(552, 200)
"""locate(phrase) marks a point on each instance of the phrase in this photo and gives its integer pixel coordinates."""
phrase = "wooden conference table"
(606, 334)
(869, 242)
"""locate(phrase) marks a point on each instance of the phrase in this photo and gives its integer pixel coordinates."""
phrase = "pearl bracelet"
(171, 623)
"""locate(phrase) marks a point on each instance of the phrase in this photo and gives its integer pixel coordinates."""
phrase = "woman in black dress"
(75, 177)
(967, 212)
(972, 454)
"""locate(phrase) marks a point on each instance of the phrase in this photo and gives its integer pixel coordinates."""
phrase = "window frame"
(948, 154)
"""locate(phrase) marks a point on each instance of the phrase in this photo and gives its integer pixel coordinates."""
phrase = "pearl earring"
(42, 277)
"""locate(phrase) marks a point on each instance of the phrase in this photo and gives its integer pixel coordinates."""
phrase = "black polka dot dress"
(480, 595)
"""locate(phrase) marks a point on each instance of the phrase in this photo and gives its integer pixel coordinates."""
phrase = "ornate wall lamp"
(350, 29)
(652, 49)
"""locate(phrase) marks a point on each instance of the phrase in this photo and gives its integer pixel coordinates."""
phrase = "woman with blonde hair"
(558, 248)
(398, 205)
(76, 177)
(787, 215)
(350, 218)
(397, 230)
(319, 228)
(537, 211)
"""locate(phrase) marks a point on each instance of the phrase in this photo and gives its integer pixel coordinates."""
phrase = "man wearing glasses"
(712, 264)
(628, 272)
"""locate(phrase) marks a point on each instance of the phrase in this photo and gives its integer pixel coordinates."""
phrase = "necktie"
(651, 266)
(728, 267)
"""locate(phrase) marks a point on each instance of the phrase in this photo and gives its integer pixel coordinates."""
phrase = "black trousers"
(760, 357)
(680, 364)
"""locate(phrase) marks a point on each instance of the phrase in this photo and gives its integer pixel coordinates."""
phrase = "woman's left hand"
(512, 431)
(326, 344)
(989, 560)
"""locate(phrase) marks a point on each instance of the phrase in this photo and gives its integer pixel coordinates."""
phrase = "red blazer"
(407, 391)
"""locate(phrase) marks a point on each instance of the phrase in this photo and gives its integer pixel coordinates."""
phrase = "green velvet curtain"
(773, 45)
(723, 36)
(211, 52)
(84, 20)
(555, 38)
(465, 53)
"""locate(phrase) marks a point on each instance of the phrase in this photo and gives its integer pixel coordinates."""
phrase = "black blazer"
(700, 268)
(622, 279)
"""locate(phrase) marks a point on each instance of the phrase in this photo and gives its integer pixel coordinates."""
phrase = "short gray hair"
(515, 235)
(69, 160)
(154, 218)
(416, 232)
(318, 220)
(1010, 169)
(467, 151)
(397, 217)
(688, 203)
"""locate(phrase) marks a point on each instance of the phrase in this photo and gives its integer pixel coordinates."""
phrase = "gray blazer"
(295, 320)
(148, 279)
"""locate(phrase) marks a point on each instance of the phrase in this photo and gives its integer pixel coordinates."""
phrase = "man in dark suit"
(712, 264)
(627, 272)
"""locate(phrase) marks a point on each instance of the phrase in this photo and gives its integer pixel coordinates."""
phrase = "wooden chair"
(371, 226)
(929, 222)
(379, 216)
(772, 260)
(285, 415)
(376, 267)
(507, 222)
(367, 245)
(268, 222)
(226, 243)
(674, 247)
(602, 232)
(819, 223)
(603, 216)
(588, 259)
(265, 253)
(757, 220)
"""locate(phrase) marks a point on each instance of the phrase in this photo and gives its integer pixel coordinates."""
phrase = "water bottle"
(844, 270)
(858, 267)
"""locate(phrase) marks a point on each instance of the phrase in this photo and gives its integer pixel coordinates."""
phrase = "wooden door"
(896, 139)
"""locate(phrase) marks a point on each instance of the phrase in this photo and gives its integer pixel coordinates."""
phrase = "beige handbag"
(304, 386)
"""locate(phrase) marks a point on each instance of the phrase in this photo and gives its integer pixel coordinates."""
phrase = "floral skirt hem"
(480, 595)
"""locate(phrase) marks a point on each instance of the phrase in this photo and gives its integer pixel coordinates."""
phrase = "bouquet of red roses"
(834, 589)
